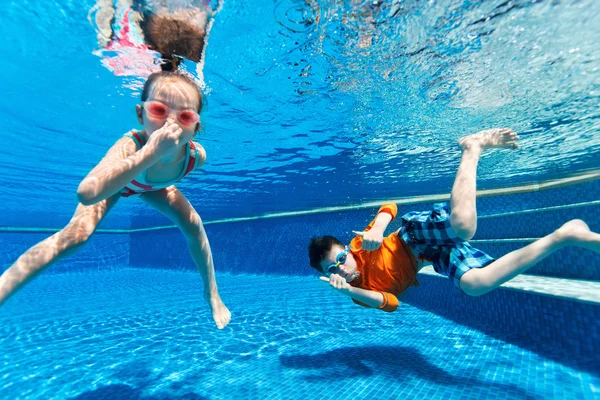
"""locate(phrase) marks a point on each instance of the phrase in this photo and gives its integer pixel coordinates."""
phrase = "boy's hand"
(371, 240)
(337, 282)
(167, 139)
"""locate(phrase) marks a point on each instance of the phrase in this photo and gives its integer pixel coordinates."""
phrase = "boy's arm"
(369, 298)
(381, 222)
(371, 238)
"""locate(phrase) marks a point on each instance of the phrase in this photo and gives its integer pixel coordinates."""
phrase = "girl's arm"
(123, 163)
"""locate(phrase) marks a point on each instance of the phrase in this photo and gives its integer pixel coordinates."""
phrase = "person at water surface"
(134, 35)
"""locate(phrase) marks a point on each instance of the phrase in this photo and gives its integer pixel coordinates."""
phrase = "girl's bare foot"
(220, 312)
(497, 137)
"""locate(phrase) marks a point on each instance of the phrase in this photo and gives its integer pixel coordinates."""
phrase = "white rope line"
(335, 209)
(404, 201)
(543, 209)
(516, 240)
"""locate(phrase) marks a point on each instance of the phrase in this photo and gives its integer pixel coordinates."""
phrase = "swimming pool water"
(146, 334)
(298, 115)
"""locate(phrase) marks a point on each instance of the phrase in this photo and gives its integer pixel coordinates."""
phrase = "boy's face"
(346, 270)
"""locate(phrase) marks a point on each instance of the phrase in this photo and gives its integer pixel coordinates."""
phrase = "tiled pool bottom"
(146, 334)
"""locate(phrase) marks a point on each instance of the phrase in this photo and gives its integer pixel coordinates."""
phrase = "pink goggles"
(161, 111)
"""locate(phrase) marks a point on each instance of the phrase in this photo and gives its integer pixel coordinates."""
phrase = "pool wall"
(279, 245)
(560, 329)
(104, 251)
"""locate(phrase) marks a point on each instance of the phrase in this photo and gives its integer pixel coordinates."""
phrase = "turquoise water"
(310, 104)
(299, 115)
(142, 334)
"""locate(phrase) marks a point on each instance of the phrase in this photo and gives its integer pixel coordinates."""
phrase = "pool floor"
(147, 334)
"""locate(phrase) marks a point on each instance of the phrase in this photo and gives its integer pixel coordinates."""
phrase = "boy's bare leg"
(479, 281)
(463, 217)
(61, 244)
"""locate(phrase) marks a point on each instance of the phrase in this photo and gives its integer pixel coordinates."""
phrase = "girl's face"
(171, 100)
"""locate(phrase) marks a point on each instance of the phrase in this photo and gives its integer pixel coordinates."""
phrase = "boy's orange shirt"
(390, 270)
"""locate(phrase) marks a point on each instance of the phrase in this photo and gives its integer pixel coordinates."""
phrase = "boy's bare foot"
(577, 233)
(497, 137)
(220, 312)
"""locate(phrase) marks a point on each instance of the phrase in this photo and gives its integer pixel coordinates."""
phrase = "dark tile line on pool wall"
(565, 331)
(279, 245)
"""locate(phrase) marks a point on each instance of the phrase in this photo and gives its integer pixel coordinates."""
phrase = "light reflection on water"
(354, 100)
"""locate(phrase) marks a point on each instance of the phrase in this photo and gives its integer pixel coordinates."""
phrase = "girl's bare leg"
(173, 204)
(61, 244)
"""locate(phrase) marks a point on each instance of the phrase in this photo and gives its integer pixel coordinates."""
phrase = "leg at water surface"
(463, 217)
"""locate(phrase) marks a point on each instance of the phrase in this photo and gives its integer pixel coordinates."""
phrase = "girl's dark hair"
(317, 249)
(174, 75)
(169, 35)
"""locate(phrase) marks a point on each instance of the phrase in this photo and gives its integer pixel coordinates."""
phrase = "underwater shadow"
(400, 363)
(136, 379)
(516, 317)
(122, 391)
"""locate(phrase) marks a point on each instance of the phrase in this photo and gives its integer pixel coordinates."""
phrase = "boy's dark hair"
(317, 249)
(175, 75)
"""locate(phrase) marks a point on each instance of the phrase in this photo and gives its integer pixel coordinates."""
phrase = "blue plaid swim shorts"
(430, 235)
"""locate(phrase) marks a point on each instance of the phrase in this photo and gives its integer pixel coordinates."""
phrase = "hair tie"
(171, 63)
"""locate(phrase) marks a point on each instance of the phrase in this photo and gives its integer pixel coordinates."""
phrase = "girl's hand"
(371, 240)
(338, 283)
(167, 139)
